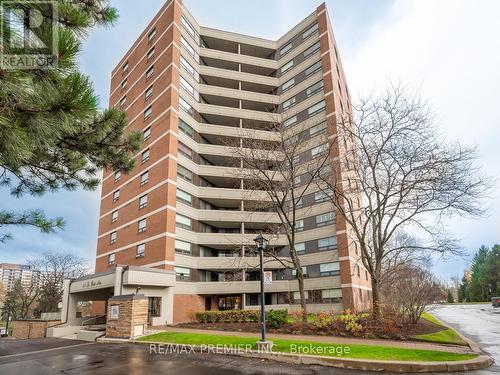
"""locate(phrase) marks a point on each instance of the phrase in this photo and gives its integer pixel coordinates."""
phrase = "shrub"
(227, 316)
(351, 322)
(322, 320)
(276, 318)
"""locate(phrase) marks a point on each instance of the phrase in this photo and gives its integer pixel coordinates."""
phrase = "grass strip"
(358, 351)
(446, 336)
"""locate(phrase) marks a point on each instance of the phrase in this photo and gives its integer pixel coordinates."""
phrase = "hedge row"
(229, 316)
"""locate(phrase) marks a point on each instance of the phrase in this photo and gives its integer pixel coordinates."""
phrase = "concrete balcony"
(237, 132)
(238, 113)
(238, 58)
(238, 76)
(226, 240)
(228, 215)
(238, 287)
(238, 94)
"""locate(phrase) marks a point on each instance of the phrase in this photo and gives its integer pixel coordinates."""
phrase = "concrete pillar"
(168, 304)
(118, 280)
(65, 300)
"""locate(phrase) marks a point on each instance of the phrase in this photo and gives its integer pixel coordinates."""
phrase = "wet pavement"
(59, 356)
(481, 323)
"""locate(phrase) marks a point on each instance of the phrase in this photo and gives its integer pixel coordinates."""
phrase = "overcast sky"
(449, 49)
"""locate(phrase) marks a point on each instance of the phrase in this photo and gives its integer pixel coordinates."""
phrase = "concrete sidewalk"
(327, 339)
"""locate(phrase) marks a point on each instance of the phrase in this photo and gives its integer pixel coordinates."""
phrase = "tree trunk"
(375, 298)
(300, 279)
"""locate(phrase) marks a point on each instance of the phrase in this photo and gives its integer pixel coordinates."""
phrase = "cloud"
(450, 50)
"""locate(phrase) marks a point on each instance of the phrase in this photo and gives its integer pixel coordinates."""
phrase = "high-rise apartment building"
(10, 273)
(196, 92)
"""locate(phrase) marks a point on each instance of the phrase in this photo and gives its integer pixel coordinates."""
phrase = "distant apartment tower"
(10, 273)
(192, 91)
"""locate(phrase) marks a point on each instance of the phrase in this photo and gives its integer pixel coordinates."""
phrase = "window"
(149, 72)
(304, 272)
(149, 93)
(292, 120)
(357, 271)
(186, 129)
(310, 31)
(187, 26)
(286, 49)
(316, 129)
(116, 196)
(289, 103)
(182, 247)
(314, 48)
(182, 221)
(111, 258)
(123, 101)
(297, 180)
(314, 88)
(300, 248)
(316, 151)
(151, 35)
(329, 269)
(118, 174)
(114, 216)
(141, 226)
(190, 69)
(144, 178)
(182, 273)
(327, 243)
(318, 107)
(366, 274)
(124, 84)
(188, 48)
(313, 68)
(285, 68)
(151, 54)
(299, 225)
(143, 201)
(125, 68)
(288, 84)
(148, 112)
(147, 133)
(296, 159)
(184, 173)
(187, 87)
(112, 237)
(322, 196)
(139, 250)
(154, 306)
(186, 107)
(331, 295)
(185, 150)
(296, 295)
(145, 156)
(184, 197)
(291, 141)
(325, 219)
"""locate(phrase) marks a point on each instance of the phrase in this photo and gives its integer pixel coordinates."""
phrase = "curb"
(482, 361)
(472, 344)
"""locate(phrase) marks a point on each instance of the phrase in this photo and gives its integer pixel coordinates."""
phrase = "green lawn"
(446, 336)
(328, 349)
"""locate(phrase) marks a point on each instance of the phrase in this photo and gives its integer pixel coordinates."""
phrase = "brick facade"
(132, 312)
(31, 329)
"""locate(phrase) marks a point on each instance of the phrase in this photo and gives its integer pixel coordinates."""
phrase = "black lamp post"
(261, 246)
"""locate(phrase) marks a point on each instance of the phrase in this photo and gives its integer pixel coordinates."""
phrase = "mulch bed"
(372, 330)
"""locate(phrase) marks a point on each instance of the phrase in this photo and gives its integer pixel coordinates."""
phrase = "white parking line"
(45, 350)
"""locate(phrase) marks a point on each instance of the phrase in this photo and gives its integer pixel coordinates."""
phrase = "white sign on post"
(268, 277)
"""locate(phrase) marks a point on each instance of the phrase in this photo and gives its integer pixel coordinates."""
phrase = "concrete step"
(63, 331)
(86, 335)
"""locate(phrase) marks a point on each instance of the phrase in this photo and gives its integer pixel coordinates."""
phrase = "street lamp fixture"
(263, 344)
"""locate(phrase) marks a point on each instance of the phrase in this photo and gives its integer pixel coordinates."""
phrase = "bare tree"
(409, 290)
(391, 172)
(21, 300)
(51, 269)
(273, 166)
